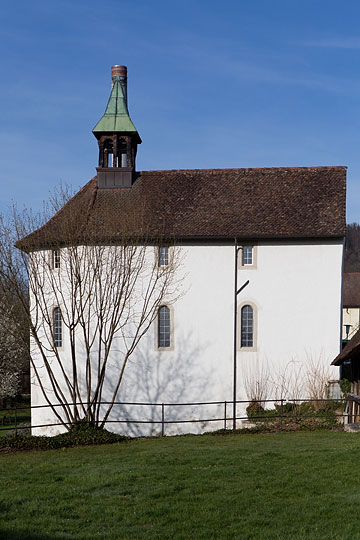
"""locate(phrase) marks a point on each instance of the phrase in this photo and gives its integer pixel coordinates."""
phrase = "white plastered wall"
(296, 288)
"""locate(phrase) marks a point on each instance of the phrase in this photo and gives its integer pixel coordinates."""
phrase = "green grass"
(7, 420)
(7, 414)
(264, 486)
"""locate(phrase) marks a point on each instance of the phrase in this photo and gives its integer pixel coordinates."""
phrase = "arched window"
(247, 326)
(57, 327)
(164, 327)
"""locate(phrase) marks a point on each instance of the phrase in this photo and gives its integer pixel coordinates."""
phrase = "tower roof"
(116, 117)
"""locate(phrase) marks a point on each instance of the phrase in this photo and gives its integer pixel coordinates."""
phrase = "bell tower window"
(122, 150)
(108, 153)
(123, 160)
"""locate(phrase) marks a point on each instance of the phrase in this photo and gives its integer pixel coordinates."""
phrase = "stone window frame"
(253, 265)
(170, 255)
(55, 259)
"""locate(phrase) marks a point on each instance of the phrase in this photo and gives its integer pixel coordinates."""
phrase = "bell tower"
(117, 137)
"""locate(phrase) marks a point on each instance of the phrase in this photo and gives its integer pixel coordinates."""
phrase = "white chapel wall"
(296, 288)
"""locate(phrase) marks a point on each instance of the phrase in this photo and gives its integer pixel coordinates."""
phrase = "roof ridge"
(317, 167)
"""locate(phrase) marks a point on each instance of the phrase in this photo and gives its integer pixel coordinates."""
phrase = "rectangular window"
(56, 258)
(247, 255)
(163, 256)
(57, 327)
(164, 328)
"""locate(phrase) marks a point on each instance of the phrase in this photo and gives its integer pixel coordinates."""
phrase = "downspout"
(235, 336)
(236, 292)
(342, 301)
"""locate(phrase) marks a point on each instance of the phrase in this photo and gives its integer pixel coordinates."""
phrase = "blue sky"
(246, 83)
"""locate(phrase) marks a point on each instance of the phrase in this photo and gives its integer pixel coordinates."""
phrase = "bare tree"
(14, 330)
(91, 301)
(14, 344)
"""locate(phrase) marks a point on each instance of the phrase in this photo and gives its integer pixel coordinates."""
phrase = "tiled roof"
(351, 289)
(352, 347)
(303, 202)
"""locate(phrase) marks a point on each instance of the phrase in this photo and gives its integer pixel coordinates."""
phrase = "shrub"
(345, 386)
(285, 408)
(254, 409)
(301, 415)
(79, 435)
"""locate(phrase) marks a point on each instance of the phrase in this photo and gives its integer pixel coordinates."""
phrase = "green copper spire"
(116, 117)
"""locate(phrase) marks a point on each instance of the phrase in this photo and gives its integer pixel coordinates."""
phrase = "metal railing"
(256, 411)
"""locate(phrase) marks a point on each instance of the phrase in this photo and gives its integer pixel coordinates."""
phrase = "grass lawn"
(269, 486)
(7, 422)
(7, 415)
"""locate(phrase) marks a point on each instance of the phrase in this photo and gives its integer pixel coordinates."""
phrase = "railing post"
(281, 414)
(162, 419)
(15, 423)
(352, 411)
(225, 414)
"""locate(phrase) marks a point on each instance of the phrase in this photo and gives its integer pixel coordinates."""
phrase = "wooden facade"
(349, 362)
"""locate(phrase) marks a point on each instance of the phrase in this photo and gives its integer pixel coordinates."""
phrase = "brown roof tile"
(295, 202)
(351, 289)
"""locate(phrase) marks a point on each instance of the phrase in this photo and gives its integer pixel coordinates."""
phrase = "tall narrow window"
(124, 160)
(108, 153)
(247, 326)
(56, 258)
(57, 327)
(164, 327)
(247, 255)
(163, 256)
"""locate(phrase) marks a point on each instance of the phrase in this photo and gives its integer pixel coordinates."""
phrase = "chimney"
(121, 72)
